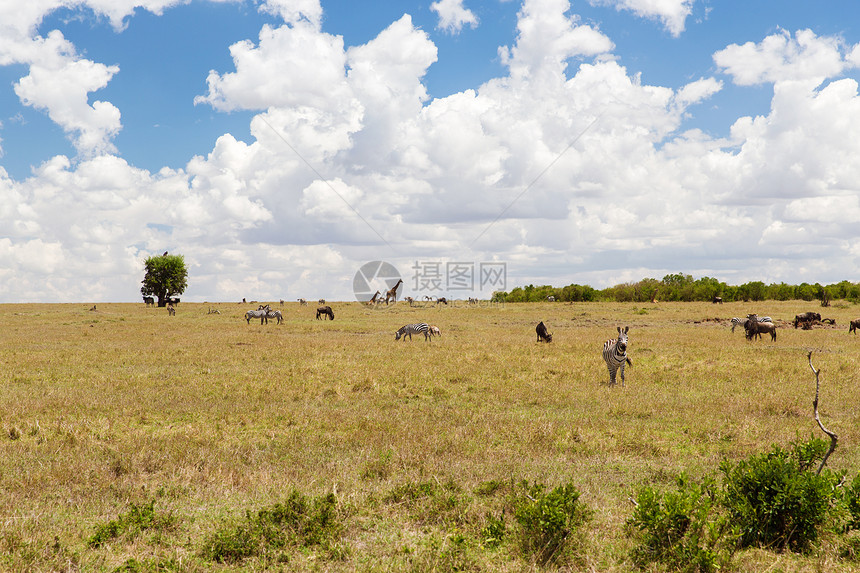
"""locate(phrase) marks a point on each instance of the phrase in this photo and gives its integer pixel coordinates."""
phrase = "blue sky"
(619, 140)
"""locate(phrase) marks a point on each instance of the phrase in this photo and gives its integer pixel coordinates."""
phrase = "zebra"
(262, 313)
(742, 321)
(274, 314)
(411, 329)
(615, 355)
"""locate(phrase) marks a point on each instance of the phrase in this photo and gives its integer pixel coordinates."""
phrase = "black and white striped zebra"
(410, 329)
(742, 321)
(615, 355)
(262, 313)
(274, 314)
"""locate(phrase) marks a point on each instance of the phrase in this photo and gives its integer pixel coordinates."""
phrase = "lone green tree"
(166, 276)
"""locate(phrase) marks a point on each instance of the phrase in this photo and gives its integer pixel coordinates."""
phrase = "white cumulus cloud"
(453, 15)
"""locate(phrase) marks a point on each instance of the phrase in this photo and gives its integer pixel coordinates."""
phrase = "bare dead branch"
(833, 437)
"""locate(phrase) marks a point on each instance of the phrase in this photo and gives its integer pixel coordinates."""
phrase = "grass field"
(132, 440)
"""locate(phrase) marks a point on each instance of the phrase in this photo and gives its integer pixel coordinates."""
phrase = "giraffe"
(392, 293)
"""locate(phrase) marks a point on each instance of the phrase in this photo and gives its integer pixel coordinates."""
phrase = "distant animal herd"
(614, 350)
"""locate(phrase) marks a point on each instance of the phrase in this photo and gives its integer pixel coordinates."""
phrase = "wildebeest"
(325, 311)
(717, 300)
(542, 334)
(755, 328)
(853, 326)
(434, 331)
(443, 300)
(806, 319)
(149, 301)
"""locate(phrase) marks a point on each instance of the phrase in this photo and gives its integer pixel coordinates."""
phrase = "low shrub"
(299, 521)
(682, 529)
(549, 522)
(138, 518)
(776, 498)
(851, 500)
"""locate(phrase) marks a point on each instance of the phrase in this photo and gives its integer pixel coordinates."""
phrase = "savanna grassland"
(135, 441)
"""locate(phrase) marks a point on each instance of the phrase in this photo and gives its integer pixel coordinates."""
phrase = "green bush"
(851, 499)
(493, 533)
(299, 521)
(776, 498)
(138, 518)
(549, 522)
(682, 529)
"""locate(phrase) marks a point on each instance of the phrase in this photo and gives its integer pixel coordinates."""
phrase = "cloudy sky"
(279, 145)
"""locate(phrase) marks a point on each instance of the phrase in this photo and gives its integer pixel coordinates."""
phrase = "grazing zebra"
(325, 311)
(615, 355)
(411, 329)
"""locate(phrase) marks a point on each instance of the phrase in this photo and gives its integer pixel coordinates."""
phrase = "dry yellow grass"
(211, 416)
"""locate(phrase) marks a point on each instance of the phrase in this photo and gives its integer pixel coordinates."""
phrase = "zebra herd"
(614, 350)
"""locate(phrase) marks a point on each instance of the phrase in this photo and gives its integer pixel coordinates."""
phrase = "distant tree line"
(681, 287)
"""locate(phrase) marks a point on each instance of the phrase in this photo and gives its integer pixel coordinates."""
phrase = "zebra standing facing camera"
(615, 355)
